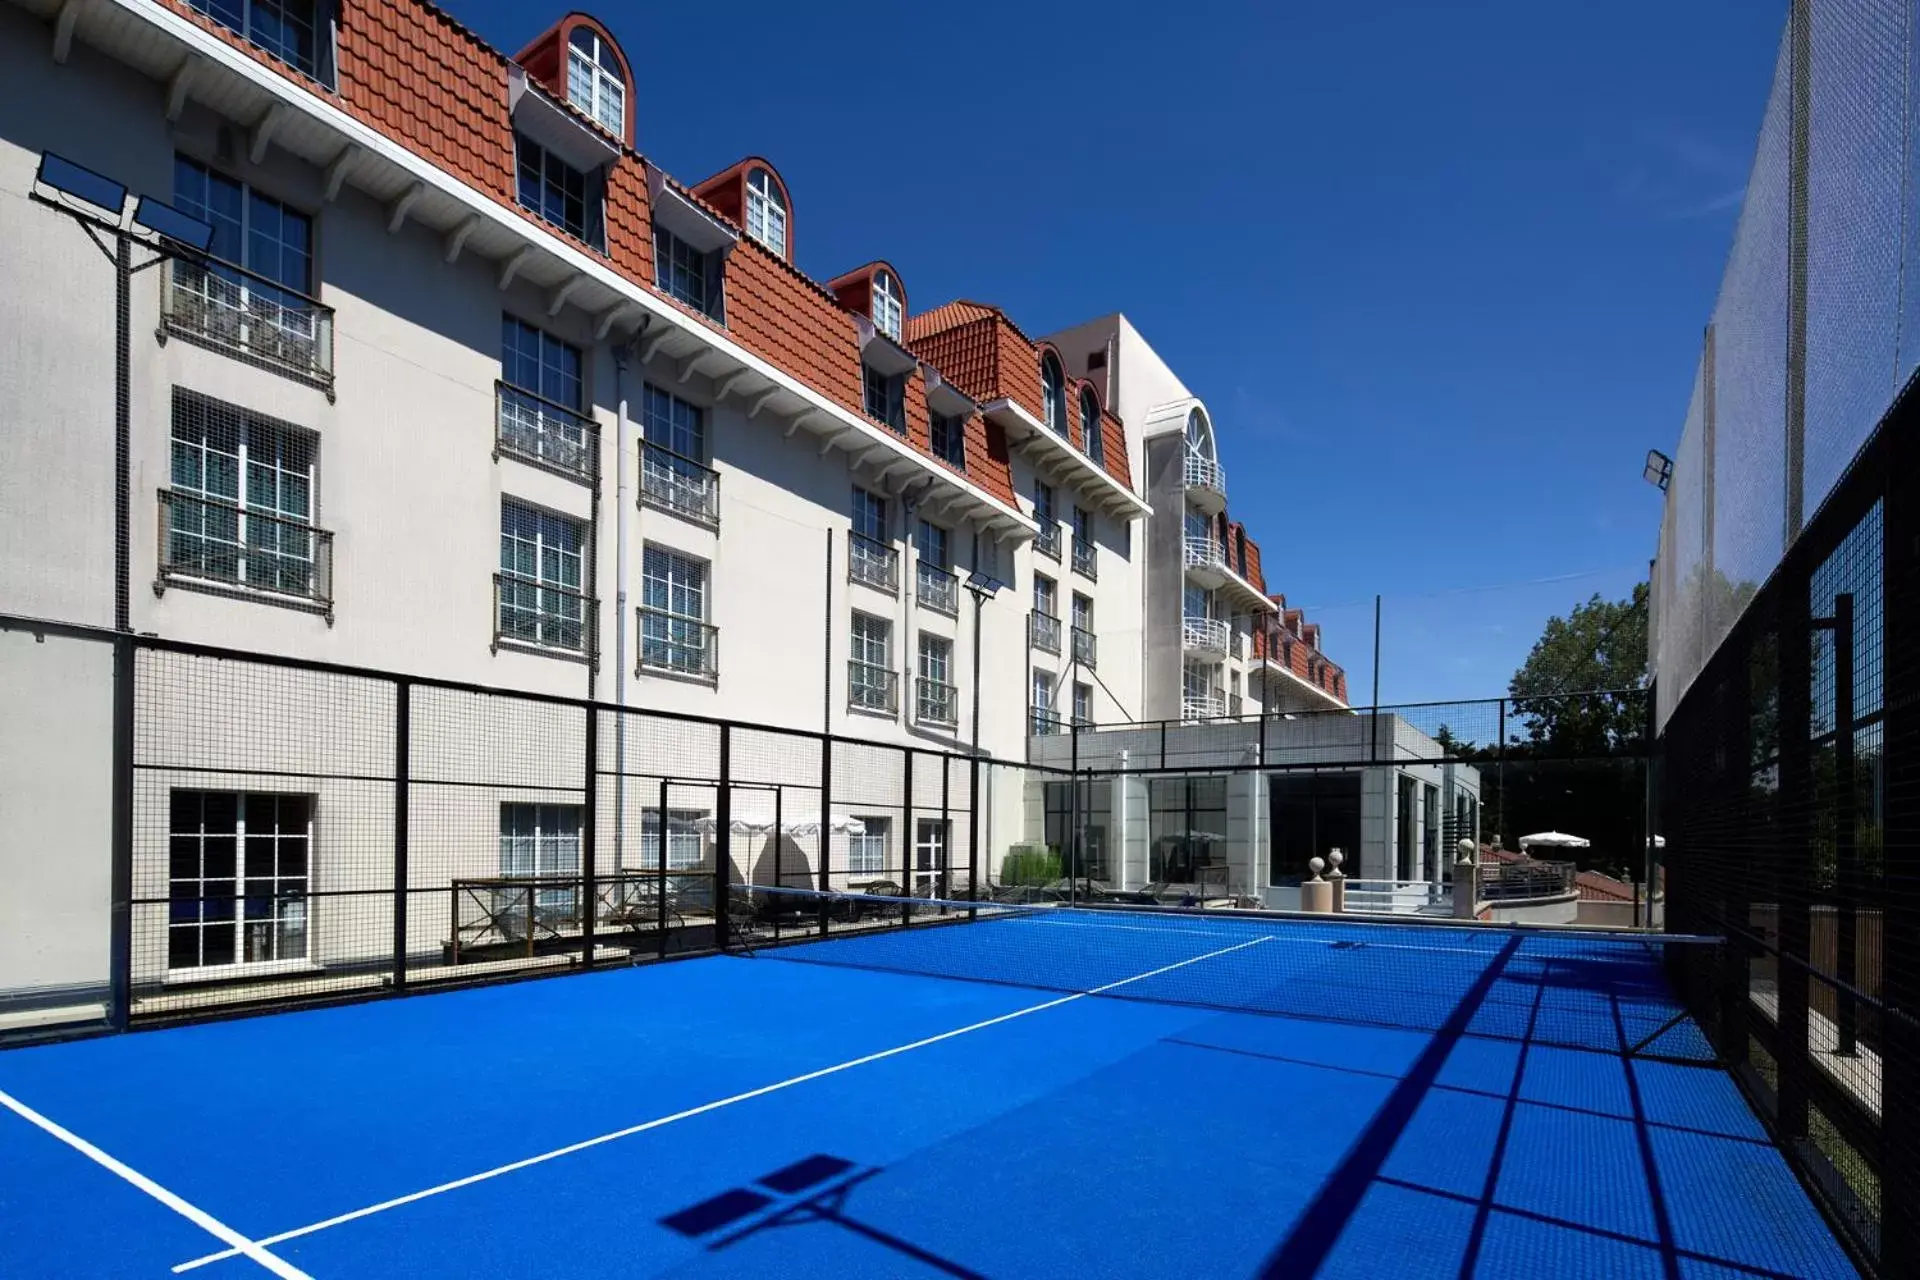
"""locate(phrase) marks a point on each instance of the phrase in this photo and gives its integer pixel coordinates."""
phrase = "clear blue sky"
(1439, 270)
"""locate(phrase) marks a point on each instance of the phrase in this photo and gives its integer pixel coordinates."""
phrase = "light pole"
(982, 587)
(99, 205)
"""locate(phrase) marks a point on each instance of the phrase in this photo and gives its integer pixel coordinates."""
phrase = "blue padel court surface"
(1071, 1093)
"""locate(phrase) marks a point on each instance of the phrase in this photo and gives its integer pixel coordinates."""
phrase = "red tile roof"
(1286, 641)
(983, 353)
(411, 72)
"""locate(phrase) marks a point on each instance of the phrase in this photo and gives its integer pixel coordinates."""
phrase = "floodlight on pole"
(99, 205)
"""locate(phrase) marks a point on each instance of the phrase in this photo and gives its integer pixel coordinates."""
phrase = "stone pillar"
(1338, 879)
(1316, 895)
(1466, 883)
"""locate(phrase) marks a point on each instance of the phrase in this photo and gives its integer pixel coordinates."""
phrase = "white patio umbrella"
(1554, 840)
(840, 825)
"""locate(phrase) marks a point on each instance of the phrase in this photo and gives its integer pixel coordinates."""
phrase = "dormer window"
(596, 82)
(1090, 423)
(886, 304)
(556, 192)
(1053, 393)
(766, 212)
(887, 397)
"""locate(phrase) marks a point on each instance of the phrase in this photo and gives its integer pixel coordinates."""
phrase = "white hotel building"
(472, 391)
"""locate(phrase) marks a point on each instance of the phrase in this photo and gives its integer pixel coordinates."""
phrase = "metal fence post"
(1796, 842)
(402, 775)
(1900, 923)
(1846, 930)
(723, 831)
(909, 844)
(973, 835)
(120, 924)
(590, 830)
(826, 828)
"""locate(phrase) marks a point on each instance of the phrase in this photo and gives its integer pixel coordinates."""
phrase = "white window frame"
(867, 848)
(557, 604)
(605, 85)
(676, 595)
(686, 842)
(766, 212)
(289, 912)
(285, 539)
(932, 845)
(886, 306)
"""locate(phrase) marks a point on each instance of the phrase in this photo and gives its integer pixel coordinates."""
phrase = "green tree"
(1581, 689)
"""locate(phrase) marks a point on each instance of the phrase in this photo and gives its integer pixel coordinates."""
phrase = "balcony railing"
(1204, 635)
(1043, 631)
(1238, 647)
(937, 589)
(208, 540)
(873, 562)
(543, 615)
(871, 687)
(1234, 705)
(1047, 540)
(535, 429)
(1204, 553)
(1086, 648)
(937, 702)
(678, 645)
(1086, 558)
(1043, 722)
(676, 483)
(250, 316)
(1206, 475)
(1203, 706)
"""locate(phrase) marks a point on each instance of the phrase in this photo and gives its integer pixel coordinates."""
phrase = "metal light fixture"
(1659, 470)
(180, 230)
(99, 195)
(983, 585)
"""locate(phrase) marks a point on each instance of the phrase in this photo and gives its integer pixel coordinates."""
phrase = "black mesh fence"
(284, 832)
(1787, 788)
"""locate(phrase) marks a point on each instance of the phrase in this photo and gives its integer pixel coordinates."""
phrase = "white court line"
(192, 1213)
(339, 1219)
(1075, 922)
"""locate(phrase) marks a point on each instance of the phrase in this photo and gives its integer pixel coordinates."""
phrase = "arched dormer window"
(1199, 438)
(766, 212)
(596, 82)
(1053, 393)
(886, 304)
(1090, 424)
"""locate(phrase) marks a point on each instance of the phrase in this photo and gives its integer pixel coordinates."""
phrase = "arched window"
(596, 82)
(1199, 438)
(1053, 393)
(1090, 423)
(766, 211)
(886, 304)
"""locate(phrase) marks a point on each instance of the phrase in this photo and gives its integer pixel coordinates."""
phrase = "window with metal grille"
(237, 869)
(260, 303)
(541, 397)
(241, 507)
(542, 840)
(674, 633)
(685, 839)
(673, 457)
(870, 669)
(542, 560)
(867, 848)
(596, 82)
